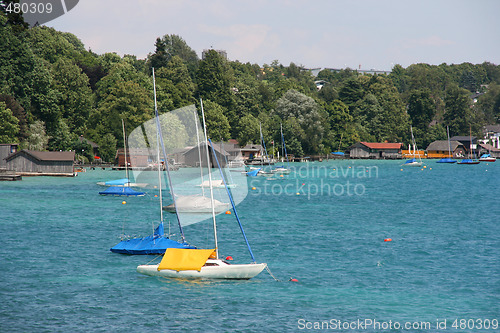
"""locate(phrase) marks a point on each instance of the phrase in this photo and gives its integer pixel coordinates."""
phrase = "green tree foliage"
(217, 124)
(57, 89)
(458, 115)
(307, 114)
(214, 84)
(9, 125)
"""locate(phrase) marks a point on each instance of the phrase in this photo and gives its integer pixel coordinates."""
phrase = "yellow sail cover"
(185, 259)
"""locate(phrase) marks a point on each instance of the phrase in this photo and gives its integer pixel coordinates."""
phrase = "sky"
(359, 34)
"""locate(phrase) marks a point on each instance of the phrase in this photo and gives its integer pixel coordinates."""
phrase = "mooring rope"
(269, 271)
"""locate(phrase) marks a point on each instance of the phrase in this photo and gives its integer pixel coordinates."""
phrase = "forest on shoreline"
(53, 90)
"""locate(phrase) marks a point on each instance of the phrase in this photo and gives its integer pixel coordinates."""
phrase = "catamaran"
(204, 263)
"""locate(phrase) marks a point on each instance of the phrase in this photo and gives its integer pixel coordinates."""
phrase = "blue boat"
(253, 173)
(446, 160)
(122, 192)
(157, 243)
(468, 161)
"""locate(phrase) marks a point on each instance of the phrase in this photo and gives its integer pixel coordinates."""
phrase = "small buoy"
(388, 240)
(124, 202)
(253, 188)
(430, 168)
(425, 166)
(282, 176)
(155, 186)
(156, 195)
(303, 184)
(401, 169)
(228, 212)
(293, 280)
(229, 258)
(298, 193)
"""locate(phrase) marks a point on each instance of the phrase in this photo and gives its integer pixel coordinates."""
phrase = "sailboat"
(158, 242)
(471, 155)
(114, 185)
(450, 155)
(204, 263)
(281, 169)
(413, 161)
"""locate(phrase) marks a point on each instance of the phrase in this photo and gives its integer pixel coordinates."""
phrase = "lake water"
(440, 272)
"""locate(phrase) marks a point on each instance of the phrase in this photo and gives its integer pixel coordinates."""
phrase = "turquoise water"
(58, 275)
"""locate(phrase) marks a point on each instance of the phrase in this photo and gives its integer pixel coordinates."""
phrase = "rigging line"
(158, 128)
(232, 202)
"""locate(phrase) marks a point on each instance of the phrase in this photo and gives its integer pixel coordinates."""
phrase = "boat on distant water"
(471, 154)
(487, 158)
(123, 182)
(413, 161)
(447, 159)
(281, 169)
(122, 192)
(204, 263)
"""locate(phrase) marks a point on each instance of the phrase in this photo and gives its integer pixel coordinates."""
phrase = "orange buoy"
(229, 258)
(293, 280)
(156, 195)
(388, 240)
(228, 212)
(253, 188)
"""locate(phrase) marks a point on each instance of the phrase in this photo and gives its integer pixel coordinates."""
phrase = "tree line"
(53, 90)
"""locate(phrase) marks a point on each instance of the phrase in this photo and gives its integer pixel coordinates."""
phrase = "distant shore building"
(375, 150)
(42, 163)
(491, 135)
(6, 149)
(440, 149)
(467, 141)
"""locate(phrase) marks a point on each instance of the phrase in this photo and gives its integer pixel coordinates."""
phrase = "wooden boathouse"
(42, 163)
(375, 150)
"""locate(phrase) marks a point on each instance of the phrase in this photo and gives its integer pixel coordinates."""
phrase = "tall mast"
(125, 151)
(210, 182)
(449, 143)
(199, 152)
(160, 142)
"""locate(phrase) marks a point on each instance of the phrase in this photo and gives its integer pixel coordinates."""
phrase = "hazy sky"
(314, 33)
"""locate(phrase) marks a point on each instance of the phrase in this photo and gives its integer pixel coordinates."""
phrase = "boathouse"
(42, 163)
(6, 149)
(440, 149)
(375, 150)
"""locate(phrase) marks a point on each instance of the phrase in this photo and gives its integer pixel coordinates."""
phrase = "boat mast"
(449, 143)
(210, 182)
(125, 151)
(284, 146)
(160, 141)
(199, 152)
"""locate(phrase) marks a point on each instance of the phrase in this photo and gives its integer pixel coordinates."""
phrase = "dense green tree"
(421, 108)
(214, 84)
(74, 96)
(309, 115)
(218, 127)
(9, 125)
(248, 130)
(458, 115)
(173, 45)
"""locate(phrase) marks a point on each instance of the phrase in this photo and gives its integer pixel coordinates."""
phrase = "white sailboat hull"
(218, 269)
